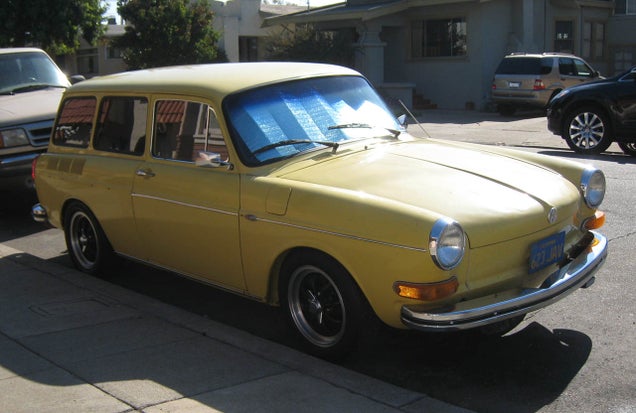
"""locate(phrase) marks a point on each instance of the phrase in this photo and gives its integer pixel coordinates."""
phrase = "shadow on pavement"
(520, 372)
(15, 215)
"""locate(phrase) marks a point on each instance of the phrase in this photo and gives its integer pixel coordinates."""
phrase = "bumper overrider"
(573, 274)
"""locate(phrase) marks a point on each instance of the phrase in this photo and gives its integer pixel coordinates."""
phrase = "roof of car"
(545, 54)
(20, 50)
(211, 80)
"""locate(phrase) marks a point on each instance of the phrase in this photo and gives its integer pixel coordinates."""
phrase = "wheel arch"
(277, 268)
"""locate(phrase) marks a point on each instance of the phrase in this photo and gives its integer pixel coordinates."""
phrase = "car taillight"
(35, 160)
(494, 86)
(538, 84)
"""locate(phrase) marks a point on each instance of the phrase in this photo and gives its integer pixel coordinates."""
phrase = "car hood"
(494, 197)
(29, 106)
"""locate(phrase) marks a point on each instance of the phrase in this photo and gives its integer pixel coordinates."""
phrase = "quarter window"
(121, 125)
(183, 129)
(439, 37)
(75, 123)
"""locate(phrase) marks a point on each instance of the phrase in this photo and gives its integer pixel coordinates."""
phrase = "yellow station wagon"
(294, 185)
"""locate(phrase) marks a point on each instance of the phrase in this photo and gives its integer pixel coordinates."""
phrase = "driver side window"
(184, 128)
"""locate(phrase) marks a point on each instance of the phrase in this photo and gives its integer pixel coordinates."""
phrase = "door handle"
(145, 172)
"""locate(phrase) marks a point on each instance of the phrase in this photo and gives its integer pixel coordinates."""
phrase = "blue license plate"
(546, 252)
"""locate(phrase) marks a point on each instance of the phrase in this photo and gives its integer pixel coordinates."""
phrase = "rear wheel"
(506, 110)
(629, 148)
(323, 304)
(587, 131)
(86, 242)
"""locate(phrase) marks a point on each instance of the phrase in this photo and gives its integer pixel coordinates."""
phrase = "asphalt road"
(578, 355)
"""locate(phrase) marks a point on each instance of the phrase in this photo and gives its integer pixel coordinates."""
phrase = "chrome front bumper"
(490, 309)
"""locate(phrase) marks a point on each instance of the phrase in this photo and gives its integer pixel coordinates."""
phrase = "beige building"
(446, 51)
(238, 21)
(437, 52)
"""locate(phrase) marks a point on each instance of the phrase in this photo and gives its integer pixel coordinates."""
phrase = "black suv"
(531, 80)
(593, 115)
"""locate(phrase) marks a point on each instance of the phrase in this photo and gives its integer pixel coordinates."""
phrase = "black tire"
(506, 110)
(86, 242)
(628, 148)
(323, 304)
(587, 130)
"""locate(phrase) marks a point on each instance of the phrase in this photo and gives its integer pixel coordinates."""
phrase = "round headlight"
(447, 243)
(593, 187)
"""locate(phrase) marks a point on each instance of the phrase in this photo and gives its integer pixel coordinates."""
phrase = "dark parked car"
(593, 115)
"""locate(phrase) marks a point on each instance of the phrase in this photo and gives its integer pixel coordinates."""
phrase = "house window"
(625, 7)
(87, 61)
(564, 38)
(113, 52)
(439, 38)
(624, 58)
(248, 49)
(593, 40)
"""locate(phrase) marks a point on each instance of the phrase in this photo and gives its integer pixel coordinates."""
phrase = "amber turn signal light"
(597, 221)
(427, 291)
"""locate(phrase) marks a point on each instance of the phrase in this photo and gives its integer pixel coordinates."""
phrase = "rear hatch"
(516, 76)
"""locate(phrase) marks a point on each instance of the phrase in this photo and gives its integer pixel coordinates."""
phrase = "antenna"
(414, 118)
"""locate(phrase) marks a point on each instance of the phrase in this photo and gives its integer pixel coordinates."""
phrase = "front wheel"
(628, 148)
(86, 242)
(587, 131)
(323, 304)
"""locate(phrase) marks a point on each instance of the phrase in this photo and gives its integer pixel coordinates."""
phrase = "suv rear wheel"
(587, 130)
(506, 110)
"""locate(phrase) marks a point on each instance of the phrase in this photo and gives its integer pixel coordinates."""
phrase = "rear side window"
(121, 125)
(75, 122)
(525, 66)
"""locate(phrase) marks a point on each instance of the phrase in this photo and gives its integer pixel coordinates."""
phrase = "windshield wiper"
(288, 142)
(30, 88)
(355, 125)
(350, 126)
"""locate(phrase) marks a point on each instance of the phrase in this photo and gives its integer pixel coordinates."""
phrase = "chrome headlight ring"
(593, 187)
(447, 243)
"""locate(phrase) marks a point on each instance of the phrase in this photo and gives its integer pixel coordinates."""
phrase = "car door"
(187, 214)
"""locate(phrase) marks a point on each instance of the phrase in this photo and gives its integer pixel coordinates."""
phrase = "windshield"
(284, 119)
(23, 72)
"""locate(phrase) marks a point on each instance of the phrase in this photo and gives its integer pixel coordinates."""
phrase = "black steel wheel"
(629, 148)
(87, 245)
(323, 304)
(587, 131)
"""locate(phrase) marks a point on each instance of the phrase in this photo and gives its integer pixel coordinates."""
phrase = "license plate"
(546, 252)
(516, 85)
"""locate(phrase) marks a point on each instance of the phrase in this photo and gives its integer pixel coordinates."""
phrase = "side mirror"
(76, 79)
(402, 120)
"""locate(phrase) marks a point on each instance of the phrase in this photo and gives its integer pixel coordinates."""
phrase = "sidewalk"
(70, 342)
